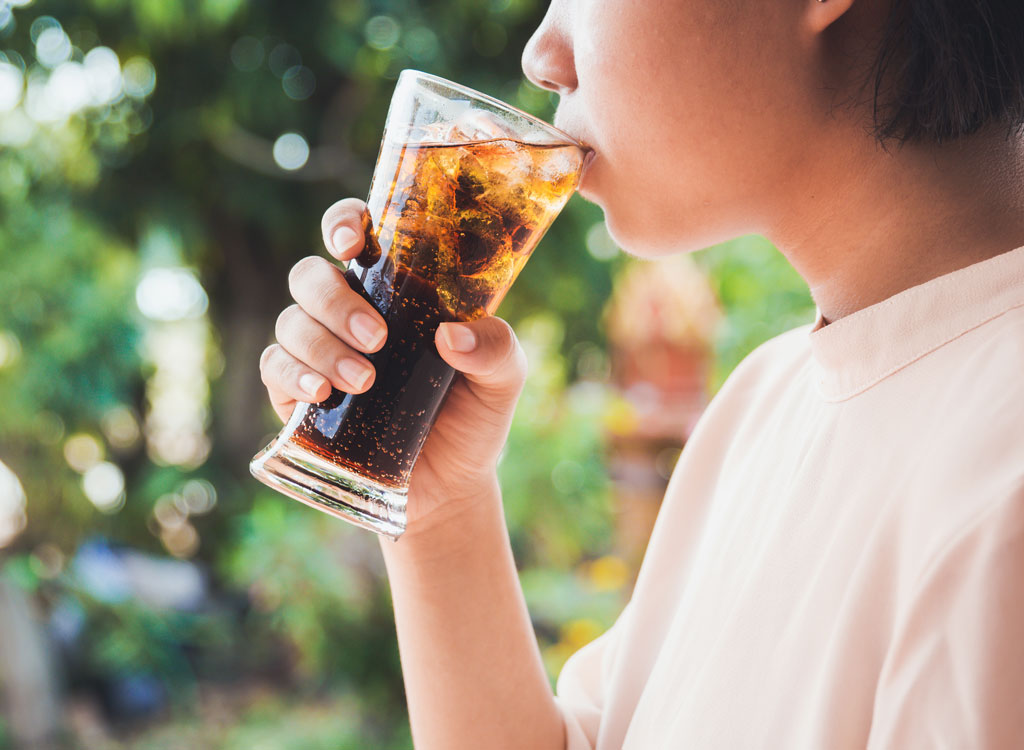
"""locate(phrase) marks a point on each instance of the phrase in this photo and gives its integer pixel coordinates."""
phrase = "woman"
(839, 560)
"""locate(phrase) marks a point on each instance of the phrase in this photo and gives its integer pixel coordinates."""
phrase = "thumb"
(488, 354)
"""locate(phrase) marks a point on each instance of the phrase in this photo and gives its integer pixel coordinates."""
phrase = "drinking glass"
(464, 188)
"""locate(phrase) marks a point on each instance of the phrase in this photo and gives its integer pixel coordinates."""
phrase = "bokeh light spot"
(247, 54)
(181, 541)
(104, 71)
(12, 86)
(198, 496)
(53, 47)
(167, 512)
(67, 91)
(15, 59)
(41, 24)
(298, 82)
(120, 427)
(382, 32)
(82, 452)
(283, 57)
(10, 349)
(168, 294)
(139, 77)
(103, 484)
(291, 151)
(422, 45)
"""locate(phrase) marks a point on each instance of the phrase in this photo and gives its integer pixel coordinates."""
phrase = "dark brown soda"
(378, 434)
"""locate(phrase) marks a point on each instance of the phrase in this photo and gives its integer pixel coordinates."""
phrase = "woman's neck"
(866, 224)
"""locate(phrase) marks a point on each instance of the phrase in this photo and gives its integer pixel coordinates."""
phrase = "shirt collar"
(860, 350)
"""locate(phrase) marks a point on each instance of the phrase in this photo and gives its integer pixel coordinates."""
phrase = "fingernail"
(343, 239)
(458, 337)
(368, 332)
(355, 373)
(310, 384)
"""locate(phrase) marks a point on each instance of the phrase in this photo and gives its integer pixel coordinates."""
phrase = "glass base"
(306, 477)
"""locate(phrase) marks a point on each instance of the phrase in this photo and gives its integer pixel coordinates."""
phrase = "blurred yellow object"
(554, 657)
(578, 633)
(608, 573)
(620, 418)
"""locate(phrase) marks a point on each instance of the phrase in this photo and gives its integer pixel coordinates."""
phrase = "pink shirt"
(839, 560)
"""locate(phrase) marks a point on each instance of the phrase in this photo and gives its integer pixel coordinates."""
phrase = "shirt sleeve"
(583, 685)
(954, 674)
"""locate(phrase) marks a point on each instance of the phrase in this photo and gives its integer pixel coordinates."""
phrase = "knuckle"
(509, 356)
(290, 370)
(505, 339)
(302, 338)
(319, 348)
(330, 299)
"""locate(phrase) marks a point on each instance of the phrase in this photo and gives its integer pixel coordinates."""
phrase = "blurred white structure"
(661, 322)
(12, 506)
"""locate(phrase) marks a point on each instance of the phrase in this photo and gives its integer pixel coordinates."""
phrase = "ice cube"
(448, 294)
(479, 291)
(477, 125)
(481, 239)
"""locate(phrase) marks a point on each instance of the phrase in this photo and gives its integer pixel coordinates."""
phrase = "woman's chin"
(645, 239)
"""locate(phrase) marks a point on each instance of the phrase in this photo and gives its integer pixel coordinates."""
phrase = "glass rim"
(412, 72)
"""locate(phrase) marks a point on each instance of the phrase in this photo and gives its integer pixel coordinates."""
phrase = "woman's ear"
(820, 14)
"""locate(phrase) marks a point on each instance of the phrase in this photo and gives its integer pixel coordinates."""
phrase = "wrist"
(453, 528)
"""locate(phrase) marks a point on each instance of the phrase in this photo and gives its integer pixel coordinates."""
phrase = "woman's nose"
(548, 57)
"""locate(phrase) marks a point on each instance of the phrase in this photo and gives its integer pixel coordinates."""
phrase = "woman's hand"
(322, 340)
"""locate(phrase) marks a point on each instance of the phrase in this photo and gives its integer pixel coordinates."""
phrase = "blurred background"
(162, 165)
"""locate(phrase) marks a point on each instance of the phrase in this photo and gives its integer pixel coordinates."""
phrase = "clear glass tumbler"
(464, 188)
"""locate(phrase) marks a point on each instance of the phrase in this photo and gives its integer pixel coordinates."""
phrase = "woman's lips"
(586, 169)
(588, 161)
(565, 123)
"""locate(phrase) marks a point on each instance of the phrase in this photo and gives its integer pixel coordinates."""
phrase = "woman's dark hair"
(946, 68)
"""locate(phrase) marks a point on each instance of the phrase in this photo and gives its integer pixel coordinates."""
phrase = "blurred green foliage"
(179, 173)
(760, 293)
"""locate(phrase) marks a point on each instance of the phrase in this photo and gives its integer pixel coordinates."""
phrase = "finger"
(488, 353)
(313, 345)
(288, 380)
(321, 290)
(342, 226)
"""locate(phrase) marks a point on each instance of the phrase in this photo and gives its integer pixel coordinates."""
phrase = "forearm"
(473, 673)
